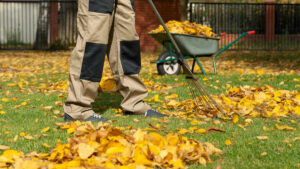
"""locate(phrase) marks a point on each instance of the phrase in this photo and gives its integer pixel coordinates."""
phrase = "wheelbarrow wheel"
(168, 67)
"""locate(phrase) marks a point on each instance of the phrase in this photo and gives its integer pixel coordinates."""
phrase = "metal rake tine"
(209, 97)
(205, 98)
(202, 96)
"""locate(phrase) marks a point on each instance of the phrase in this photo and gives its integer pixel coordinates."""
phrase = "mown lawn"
(38, 89)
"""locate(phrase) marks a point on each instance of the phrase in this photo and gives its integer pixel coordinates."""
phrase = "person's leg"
(87, 59)
(125, 59)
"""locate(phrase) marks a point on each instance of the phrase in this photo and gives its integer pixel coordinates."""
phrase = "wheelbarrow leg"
(194, 61)
(199, 64)
(171, 51)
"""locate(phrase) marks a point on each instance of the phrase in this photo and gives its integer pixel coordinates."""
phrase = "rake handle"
(185, 66)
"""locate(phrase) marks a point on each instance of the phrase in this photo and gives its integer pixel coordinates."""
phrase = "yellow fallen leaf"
(249, 121)
(235, 119)
(173, 103)
(262, 137)
(228, 142)
(70, 130)
(56, 111)
(16, 138)
(260, 71)
(263, 154)
(114, 150)
(85, 150)
(23, 103)
(173, 96)
(20, 84)
(4, 99)
(2, 147)
(9, 154)
(296, 138)
(46, 145)
(47, 108)
(183, 131)
(11, 85)
(241, 126)
(178, 164)
(108, 85)
(45, 129)
(200, 131)
(284, 127)
(194, 122)
(192, 129)
(266, 128)
(156, 98)
(28, 137)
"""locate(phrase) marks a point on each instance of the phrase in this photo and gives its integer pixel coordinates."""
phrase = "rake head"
(205, 103)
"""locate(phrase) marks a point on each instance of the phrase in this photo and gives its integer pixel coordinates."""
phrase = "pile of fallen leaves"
(186, 27)
(105, 146)
(262, 101)
(246, 101)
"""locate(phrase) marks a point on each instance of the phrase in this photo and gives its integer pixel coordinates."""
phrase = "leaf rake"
(204, 101)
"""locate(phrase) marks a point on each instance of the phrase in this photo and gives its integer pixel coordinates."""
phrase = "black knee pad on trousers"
(93, 62)
(130, 57)
(101, 6)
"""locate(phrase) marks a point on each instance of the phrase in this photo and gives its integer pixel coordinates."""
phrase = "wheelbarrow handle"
(251, 32)
(223, 34)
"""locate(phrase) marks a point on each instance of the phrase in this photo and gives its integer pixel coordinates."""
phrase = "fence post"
(53, 21)
(270, 20)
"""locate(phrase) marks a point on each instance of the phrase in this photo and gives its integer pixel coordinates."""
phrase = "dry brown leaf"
(211, 129)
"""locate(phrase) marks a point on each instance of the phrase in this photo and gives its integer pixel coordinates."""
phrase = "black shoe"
(149, 113)
(154, 113)
(95, 117)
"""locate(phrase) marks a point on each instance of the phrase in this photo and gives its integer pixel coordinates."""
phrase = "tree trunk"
(41, 39)
(183, 9)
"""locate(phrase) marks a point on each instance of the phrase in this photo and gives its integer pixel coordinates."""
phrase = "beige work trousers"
(105, 27)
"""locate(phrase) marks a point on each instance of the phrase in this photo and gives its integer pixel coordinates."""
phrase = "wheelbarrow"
(192, 47)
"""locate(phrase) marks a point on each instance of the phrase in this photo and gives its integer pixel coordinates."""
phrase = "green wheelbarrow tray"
(191, 45)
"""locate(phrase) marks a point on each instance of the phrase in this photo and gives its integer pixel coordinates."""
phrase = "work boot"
(149, 113)
(95, 117)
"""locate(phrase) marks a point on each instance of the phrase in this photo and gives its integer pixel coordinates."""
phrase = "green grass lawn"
(283, 151)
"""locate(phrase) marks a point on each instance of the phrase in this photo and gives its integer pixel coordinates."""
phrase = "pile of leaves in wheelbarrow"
(104, 146)
(186, 27)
